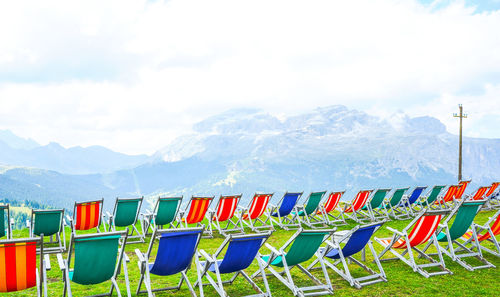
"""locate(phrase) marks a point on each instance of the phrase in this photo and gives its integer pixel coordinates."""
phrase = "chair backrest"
(166, 210)
(464, 218)
(333, 200)
(226, 207)
(47, 222)
(313, 202)
(423, 229)
(360, 200)
(197, 209)
(416, 194)
(397, 196)
(4, 219)
(480, 192)
(288, 203)
(461, 189)
(304, 246)
(88, 214)
(95, 258)
(127, 211)
(451, 193)
(359, 239)
(258, 205)
(434, 194)
(175, 251)
(241, 252)
(18, 264)
(378, 197)
(492, 189)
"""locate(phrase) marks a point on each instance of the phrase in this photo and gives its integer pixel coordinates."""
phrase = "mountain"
(74, 160)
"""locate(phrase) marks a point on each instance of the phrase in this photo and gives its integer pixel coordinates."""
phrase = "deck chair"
(50, 223)
(492, 196)
(240, 253)
(306, 214)
(423, 228)
(404, 210)
(340, 252)
(251, 215)
(163, 215)
(426, 201)
(447, 199)
(485, 233)
(375, 209)
(18, 271)
(463, 215)
(176, 248)
(352, 210)
(5, 225)
(225, 210)
(301, 247)
(391, 204)
(283, 209)
(195, 212)
(86, 215)
(326, 210)
(479, 194)
(125, 214)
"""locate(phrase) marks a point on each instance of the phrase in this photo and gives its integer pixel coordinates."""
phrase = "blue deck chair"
(354, 242)
(176, 250)
(240, 253)
(5, 224)
(282, 211)
(404, 210)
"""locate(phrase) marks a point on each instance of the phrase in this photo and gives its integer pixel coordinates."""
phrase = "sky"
(134, 75)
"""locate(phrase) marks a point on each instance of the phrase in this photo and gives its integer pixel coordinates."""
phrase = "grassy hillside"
(402, 281)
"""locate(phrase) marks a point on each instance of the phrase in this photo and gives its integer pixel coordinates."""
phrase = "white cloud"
(132, 75)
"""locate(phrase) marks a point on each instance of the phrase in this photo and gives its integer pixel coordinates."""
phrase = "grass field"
(402, 281)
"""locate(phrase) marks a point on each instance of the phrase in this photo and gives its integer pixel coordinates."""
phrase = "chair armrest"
(60, 261)
(206, 255)
(140, 255)
(272, 249)
(46, 261)
(108, 214)
(394, 231)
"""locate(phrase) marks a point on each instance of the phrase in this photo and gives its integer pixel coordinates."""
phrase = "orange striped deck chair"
(351, 210)
(195, 212)
(448, 196)
(423, 228)
(492, 189)
(479, 194)
(18, 271)
(486, 234)
(329, 206)
(251, 215)
(87, 215)
(225, 210)
(461, 190)
(492, 195)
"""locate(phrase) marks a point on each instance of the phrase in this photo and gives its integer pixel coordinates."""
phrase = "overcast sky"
(133, 75)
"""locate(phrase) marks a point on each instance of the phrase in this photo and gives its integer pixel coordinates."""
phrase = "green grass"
(402, 281)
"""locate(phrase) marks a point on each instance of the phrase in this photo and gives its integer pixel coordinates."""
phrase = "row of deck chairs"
(96, 258)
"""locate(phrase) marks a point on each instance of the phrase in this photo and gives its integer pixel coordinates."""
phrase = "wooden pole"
(461, 115)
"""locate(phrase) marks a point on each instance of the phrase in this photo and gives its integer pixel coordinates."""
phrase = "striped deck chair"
(163, 215)
(301, 247)
(195, 212)
(492, 195)
(375, 209)
(485, 234)
(463, 216)
(326, 209)
(251, 216)
(86, 215)
(479, 194)
(284, 210)
(50, 223)
(404, 210)
(396, 199)
(352, 210)
(447, 199)
(18, 271)
(97, 259)
(423, 228)
(225, 210)
(125, 214)
(5, 224)
(340, 252)
(429, 199)
(241, 251)
(457, 197)
(176, 249)
(305, 214)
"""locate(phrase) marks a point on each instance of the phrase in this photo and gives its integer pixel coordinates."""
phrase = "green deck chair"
(430, 199)
(50, 223)
(5, 224)
(163, 215)
(464, 214)
(125, 214)
(301, 247)
(374, 209)
(391, 204)
(306, 214)
(97, 259)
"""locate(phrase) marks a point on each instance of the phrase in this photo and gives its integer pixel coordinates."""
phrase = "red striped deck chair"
(423, 229)
(326, 210)
(492, 189)
(195, 212)
(251, 215)
(352, 210)
(225, 210)
(87, 215)
(486, 234)
(479, 194)
(448, 197)
(492, 196)
(461, 190)
(18, 271)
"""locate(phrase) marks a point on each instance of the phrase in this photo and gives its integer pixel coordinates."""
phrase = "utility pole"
(461, 115)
